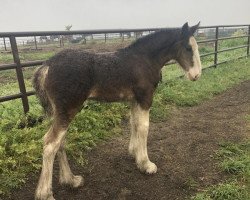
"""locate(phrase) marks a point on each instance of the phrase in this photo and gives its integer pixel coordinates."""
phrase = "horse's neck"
(158, 47)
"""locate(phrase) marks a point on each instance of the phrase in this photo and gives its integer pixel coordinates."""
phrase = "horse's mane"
(156, 36)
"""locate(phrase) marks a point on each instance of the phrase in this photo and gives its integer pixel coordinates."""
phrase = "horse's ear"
(185, 31)
(193, 29)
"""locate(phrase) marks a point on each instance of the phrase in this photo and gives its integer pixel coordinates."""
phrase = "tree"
(68, 27)
(68, 37)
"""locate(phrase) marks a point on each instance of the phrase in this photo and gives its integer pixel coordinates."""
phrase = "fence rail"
(18, 65)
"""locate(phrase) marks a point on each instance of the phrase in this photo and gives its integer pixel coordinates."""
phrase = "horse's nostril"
(197, 76)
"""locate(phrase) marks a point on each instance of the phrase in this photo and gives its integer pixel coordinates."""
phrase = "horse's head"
(187, 52)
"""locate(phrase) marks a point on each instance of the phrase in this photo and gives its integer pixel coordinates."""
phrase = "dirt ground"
(183, 148)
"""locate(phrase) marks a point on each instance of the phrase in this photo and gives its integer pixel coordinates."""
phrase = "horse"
(66, 80)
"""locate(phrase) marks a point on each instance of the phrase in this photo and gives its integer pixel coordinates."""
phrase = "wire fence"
(15, 42)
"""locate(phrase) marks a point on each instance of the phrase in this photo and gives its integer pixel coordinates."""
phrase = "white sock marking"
(138, 140)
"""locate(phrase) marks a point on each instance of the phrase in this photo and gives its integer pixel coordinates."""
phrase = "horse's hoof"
(44, 197)
(148, 167)
(78, 181)
(151, 168)
(73, 181)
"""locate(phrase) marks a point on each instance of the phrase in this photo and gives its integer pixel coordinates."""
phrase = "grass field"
(234, 159)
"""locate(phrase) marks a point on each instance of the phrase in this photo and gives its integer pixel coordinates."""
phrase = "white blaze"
(195, 71)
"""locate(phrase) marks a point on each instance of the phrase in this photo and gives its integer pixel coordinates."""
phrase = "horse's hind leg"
(52, 142)
(66, 177)
(138, 140)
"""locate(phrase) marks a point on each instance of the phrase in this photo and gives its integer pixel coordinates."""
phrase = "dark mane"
(157, 37)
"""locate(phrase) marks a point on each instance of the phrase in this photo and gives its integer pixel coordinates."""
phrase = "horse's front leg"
(138, 141)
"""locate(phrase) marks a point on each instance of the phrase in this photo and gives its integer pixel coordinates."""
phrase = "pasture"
(196, 128)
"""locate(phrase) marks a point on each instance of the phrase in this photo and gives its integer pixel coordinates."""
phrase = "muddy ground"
(183, 147)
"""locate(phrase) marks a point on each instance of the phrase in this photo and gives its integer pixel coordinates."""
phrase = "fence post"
(5, 48)
(84, 38)
(216, 46)
(122, 37)
(19, 73)
(60, 41)
(63, 41)
(248, 41)
(105, 37)
(35, 42)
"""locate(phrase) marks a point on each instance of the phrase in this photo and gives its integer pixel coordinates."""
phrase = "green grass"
(226, 191)
(36, 55)
(9, 77)
(234, 159)
(182, 92)
(6, 58)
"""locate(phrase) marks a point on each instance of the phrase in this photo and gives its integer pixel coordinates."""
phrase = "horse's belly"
(111, 95)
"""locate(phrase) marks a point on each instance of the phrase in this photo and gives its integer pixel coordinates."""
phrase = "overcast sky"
(44, 15)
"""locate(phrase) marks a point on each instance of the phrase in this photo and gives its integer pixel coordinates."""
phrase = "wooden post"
(122, 37)
(216, 46)
(62, 42)
(35, 42)
(248, 40)
(84, 38)
(5, 48)
(19, 73)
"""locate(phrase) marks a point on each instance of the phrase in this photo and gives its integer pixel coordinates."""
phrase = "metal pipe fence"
(18, 65)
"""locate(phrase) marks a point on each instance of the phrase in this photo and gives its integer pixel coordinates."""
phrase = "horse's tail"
(39, 81)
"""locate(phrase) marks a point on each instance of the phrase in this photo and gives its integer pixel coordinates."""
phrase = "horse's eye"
(189, 48)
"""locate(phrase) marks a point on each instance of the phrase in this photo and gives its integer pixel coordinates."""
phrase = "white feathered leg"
(66, 177)
(138, 141)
